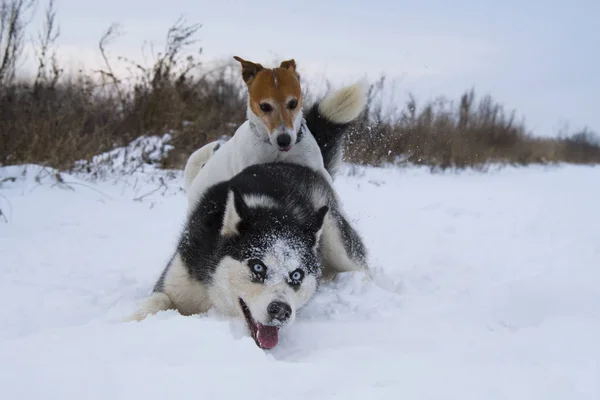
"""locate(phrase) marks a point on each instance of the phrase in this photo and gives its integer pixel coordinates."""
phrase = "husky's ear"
(236, 211)
(249, 69)
(315, 225)
(291, 65)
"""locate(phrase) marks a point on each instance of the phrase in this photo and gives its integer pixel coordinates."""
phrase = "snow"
(142, 154)
(282, 257)
(485, 286)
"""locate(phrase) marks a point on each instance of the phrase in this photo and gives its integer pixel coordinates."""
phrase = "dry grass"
(56, 120)
(443, 135)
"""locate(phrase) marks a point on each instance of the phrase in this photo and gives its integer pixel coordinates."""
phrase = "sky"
(540, 58)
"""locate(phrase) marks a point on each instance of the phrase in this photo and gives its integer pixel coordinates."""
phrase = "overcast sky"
(541, 58)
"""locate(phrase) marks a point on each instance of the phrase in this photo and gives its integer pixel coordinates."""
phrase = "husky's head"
(271, 264)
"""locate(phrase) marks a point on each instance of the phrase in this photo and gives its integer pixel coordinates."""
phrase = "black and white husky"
(257, 246)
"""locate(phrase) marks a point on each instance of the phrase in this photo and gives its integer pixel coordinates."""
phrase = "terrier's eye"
(266, 107)
(292, 104)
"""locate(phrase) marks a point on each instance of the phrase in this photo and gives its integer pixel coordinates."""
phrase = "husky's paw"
(153, 304)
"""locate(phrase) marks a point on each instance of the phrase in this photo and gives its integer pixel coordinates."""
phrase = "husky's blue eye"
(297, 275)
(258, 268)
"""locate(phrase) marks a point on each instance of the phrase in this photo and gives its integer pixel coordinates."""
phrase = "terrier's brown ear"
(291, 65)
(249, 69)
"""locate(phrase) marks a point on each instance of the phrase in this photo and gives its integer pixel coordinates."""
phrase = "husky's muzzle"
(267, 336)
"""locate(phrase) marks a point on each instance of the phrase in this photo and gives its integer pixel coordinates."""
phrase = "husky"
(257, 247)
(276, 129)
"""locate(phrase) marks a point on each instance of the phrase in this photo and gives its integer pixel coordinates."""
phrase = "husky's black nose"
(284, 140)
(279, 311)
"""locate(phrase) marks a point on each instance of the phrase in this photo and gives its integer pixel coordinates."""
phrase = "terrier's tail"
(197, 160)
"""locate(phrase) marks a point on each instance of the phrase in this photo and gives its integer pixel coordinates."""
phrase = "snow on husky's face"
(271, 268)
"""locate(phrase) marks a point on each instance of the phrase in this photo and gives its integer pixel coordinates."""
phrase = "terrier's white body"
(206, 168)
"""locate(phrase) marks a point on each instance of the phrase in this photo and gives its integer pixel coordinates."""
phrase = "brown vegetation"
(56, 120)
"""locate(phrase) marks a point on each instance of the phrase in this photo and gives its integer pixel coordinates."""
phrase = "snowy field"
(486, 286)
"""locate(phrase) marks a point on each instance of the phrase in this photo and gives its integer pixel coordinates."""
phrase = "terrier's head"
(274, 101)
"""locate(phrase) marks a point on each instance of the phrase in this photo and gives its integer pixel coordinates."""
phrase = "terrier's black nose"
(279, 311)
(284, 140)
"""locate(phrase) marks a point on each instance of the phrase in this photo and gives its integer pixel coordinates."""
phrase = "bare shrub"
(56, 120)
(443, 135)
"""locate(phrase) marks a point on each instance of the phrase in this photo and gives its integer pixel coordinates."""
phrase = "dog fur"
(256, 140)
(267, 236)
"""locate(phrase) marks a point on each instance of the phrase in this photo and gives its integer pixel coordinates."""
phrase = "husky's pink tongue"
(267, 336)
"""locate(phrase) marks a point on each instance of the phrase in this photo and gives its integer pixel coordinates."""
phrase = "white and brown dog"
(277, 129)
